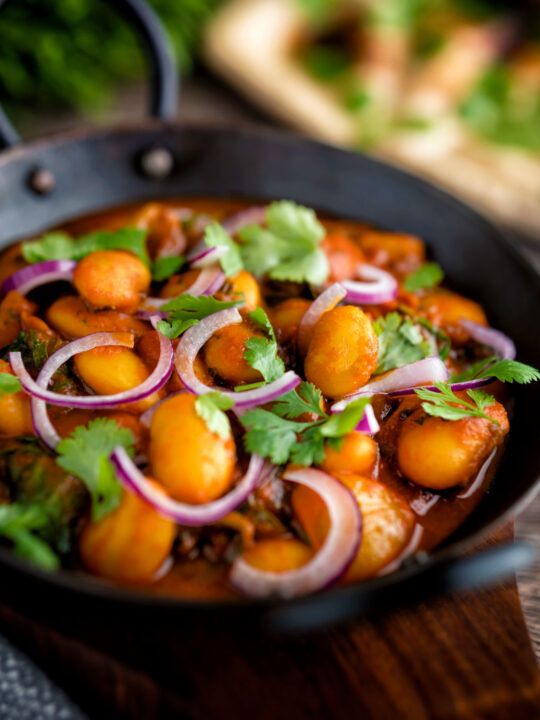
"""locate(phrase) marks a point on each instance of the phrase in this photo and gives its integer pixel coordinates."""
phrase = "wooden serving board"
(455, 658)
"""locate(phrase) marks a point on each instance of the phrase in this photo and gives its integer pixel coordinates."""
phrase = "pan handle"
(164, 79)
(438, 577)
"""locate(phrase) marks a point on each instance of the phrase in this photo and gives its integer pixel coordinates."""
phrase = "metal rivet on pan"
(157, 163)
(41, 181)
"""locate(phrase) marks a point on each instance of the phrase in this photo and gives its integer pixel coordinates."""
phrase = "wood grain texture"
(457, 658)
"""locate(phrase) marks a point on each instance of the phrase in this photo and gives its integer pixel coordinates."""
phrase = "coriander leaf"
(9, 384)
(59, 246)
(306, 398)
(18, 523)
(215, 235)
(294, 223)
(269, 435)
(311, 267)
(309, 450)
(507, 370)
(342, 423)
(210, 408)
(511, 371)
(289, 248)
(444, 403)
(85, 454)
(472, 372)
(444, 349)
(164, 267)
(132, 239)
(427, 276)
(186, 310)
(400, 342)
(52, 246)
(261, 250)
(261, 353)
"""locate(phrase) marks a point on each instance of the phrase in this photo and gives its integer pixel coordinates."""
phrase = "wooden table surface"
(468, 657)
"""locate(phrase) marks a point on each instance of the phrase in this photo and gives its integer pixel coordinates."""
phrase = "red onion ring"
(191, 343)
(495, 339)
(152, 384)
(327, 300)
(255, 215)
(41, 422)
(383, 288)
(202, 256)
(38, 274)
(331, 560)
(193, 515)
(368, 424)
(401, 381)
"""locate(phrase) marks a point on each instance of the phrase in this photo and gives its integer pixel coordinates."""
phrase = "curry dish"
(207, 398)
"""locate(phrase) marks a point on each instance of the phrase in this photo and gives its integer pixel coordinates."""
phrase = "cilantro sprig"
(261, 353)
(85, 454)
(278, 435)
(9, 384)
(20, 523)
(288, 248)
(507, 371)
(400, 342)
(60, 246)
(186, 310)
(164, 267)
(426, 276)
(215, 235)
(445, 404)
(211, 408)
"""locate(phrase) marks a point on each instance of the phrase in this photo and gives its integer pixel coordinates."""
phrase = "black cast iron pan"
(50, 181)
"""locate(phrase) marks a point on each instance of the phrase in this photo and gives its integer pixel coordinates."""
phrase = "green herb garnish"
(275, 435)
(261, 353)
(427, 276)
(400, 342)
(186, 310)
(444, 403)
(19, 523)
(86, 453)
(216, 236)
(288, 249)
(507, 371)
(59, 246)
(164, 267)
(9, 384)
(210, 407)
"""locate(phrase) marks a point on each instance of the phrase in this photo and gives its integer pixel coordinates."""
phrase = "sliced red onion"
(194, 515)
(152, 384)
(191, 343)
(202, 256)
(401, 381)
(368, 424)
(495, 339)
(39, 274)
(41, 422)
(255, 215)
(326, 301)
(331, 560)
(382, 287)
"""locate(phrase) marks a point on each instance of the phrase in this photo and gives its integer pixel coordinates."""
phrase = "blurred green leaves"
(72, 53)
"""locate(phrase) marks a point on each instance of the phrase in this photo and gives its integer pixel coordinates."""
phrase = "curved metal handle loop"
(164, 79)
